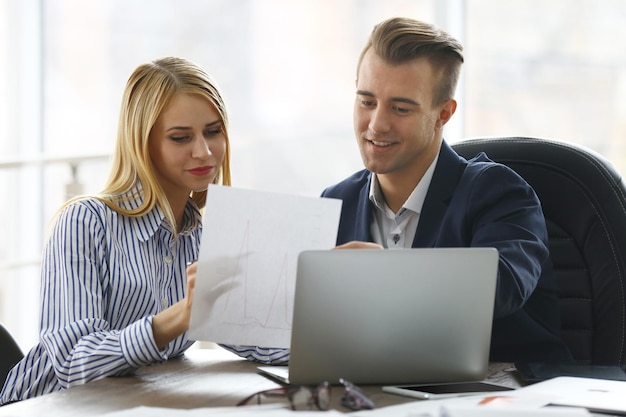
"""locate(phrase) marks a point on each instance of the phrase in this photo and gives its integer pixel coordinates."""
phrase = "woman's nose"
(201, 149)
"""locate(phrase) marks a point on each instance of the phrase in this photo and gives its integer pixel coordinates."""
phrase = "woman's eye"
(213, 132)
(179, 138)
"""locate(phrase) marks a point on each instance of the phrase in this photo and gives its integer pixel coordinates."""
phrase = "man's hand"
(356, 244)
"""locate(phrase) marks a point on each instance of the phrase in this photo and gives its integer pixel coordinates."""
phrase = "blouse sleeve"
(270, 356)
(75, 332)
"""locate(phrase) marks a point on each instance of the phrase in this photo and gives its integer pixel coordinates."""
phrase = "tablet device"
(436, 391)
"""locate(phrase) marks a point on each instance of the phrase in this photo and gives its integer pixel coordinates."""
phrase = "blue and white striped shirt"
(104, 276)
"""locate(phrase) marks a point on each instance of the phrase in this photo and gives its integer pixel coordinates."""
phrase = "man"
(417, 192)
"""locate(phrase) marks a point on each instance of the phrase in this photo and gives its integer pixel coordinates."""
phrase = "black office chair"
(584, 202)
(10, 353)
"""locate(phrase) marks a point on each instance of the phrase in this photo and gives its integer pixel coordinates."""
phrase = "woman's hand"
(192, 270)
(174, 321)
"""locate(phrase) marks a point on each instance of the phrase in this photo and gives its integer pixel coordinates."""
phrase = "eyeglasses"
(300, 397)
(303, 397)
(354, 398)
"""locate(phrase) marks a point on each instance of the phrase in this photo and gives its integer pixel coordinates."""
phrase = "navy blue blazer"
(483, 204)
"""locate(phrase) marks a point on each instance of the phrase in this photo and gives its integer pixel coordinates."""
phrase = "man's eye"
(401, 110)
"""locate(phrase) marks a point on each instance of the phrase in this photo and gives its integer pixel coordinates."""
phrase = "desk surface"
(202, 378)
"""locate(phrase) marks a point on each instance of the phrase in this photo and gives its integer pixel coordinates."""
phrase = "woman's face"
(187, 146)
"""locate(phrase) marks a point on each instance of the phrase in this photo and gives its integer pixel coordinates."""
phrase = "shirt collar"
(147, 225)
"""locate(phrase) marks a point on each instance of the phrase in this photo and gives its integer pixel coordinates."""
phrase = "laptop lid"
(393, 316)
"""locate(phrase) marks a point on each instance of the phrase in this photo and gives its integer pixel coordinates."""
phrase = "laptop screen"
(393, 316)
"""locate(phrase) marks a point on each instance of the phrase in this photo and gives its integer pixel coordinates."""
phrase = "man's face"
(398, 129)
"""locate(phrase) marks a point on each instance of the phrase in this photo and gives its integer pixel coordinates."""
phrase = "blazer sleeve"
(504, 212)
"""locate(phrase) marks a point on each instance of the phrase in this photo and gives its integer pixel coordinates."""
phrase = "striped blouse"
(104, 276)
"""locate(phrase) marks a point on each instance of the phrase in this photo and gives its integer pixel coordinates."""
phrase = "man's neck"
(397, 190)
(397, 187)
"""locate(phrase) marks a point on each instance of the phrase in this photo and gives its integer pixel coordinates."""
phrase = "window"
(286, 70)
(552, 69)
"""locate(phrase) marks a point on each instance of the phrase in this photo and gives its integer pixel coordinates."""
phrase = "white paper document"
(598, 395)
(247, 265)
(142, 411)
(496, 404)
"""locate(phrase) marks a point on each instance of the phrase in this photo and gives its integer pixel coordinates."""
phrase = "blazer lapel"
(364, 213)
(447, 173)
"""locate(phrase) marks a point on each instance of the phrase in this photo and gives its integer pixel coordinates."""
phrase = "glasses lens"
(257, 398)
(301, 398)
(354, 398)
(323, 397)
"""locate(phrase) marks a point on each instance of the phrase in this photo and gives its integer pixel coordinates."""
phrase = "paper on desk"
(601, 395)
(247, 265)
(143, 411)
(496, 405)
(513, 412)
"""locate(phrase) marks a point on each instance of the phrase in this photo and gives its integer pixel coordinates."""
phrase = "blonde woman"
(116, 286)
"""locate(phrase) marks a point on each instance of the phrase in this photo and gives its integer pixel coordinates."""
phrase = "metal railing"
(75, 186)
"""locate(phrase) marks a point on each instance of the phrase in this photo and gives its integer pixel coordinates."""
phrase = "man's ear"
(446, 112)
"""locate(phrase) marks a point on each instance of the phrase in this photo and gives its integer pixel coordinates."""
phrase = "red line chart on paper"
(260, 298)
(247, 262)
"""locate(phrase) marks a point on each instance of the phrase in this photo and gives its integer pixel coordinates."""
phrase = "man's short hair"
(399, 40)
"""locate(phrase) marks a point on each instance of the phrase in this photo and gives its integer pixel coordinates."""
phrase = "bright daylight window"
(552, 69)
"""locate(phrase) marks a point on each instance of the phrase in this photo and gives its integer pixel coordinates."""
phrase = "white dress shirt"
(397, 230)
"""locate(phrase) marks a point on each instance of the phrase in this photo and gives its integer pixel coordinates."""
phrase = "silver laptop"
(391, 316)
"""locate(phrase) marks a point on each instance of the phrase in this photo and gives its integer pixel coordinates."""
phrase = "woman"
(116, 286)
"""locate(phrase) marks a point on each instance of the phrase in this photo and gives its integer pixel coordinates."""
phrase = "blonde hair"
(148, 91)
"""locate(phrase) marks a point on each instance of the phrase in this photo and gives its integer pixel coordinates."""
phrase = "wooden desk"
(202, 378)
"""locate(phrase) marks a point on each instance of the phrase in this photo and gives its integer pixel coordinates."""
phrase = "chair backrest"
(584, 202)
(10, 353)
